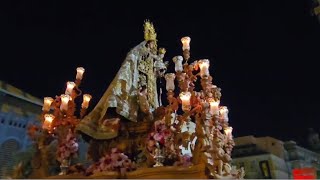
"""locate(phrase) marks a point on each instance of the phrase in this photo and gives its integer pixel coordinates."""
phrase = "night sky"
(263, 53)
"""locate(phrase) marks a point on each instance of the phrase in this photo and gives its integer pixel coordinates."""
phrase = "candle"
(185, 99)
(80, 71)
(214, 107)
(86, 100)
(224, 113)
(185, 43)
(170, 81)
(70, 86)
(48, 118)
(64, 102)
(204, 67)
(47, 101)
(228, 132)
(178, 63)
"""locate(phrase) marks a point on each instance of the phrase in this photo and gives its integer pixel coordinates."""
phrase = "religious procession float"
(138, 129)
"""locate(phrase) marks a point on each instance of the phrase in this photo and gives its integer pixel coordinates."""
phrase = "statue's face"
(151, 45)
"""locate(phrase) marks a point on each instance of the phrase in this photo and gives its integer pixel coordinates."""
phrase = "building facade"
(17, 110)
(270, 158)
(299, 157)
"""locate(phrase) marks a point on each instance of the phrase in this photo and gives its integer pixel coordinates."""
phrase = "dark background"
(263, 53)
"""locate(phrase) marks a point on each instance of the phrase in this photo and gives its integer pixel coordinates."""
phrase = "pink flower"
(158, 136)
(112, 162)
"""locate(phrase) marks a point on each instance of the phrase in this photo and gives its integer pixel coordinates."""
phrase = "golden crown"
(149, 31)
(162, 50)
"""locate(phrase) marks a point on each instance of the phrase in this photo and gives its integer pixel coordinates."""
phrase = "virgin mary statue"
(136, 75)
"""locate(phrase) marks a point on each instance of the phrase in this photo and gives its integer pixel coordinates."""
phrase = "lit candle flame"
(204, 67)
(185, 99)
(64, 102)
(48, 118)
(47, 101)
(228, 131)
(86, 100)
(70, 86)
(80, 71)
(214, 107)
(185, 43)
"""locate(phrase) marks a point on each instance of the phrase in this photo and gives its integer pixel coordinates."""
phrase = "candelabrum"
(212, 135)
(59, 118)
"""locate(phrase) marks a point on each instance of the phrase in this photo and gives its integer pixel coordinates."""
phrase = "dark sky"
(263, 53)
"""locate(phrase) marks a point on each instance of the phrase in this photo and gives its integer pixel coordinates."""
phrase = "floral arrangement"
(68, 148)
(113, 161)
(161, 139)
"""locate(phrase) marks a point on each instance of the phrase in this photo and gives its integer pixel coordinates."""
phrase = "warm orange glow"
(185, 99)
(204, 67)
(70, 86)
(228, 131)
(185, 43)
(86, 100)
(80, 71)
(47, 101)
(64, 102)
(48, 118)
(214, 106)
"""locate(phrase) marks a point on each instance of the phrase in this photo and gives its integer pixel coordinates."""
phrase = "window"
(265, 169)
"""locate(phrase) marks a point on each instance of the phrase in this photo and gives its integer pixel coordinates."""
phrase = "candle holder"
(202, 108)
(204, 68)
(185, 101)
(59, 119)
(178, 63)
(186, 48)
(47, 101)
